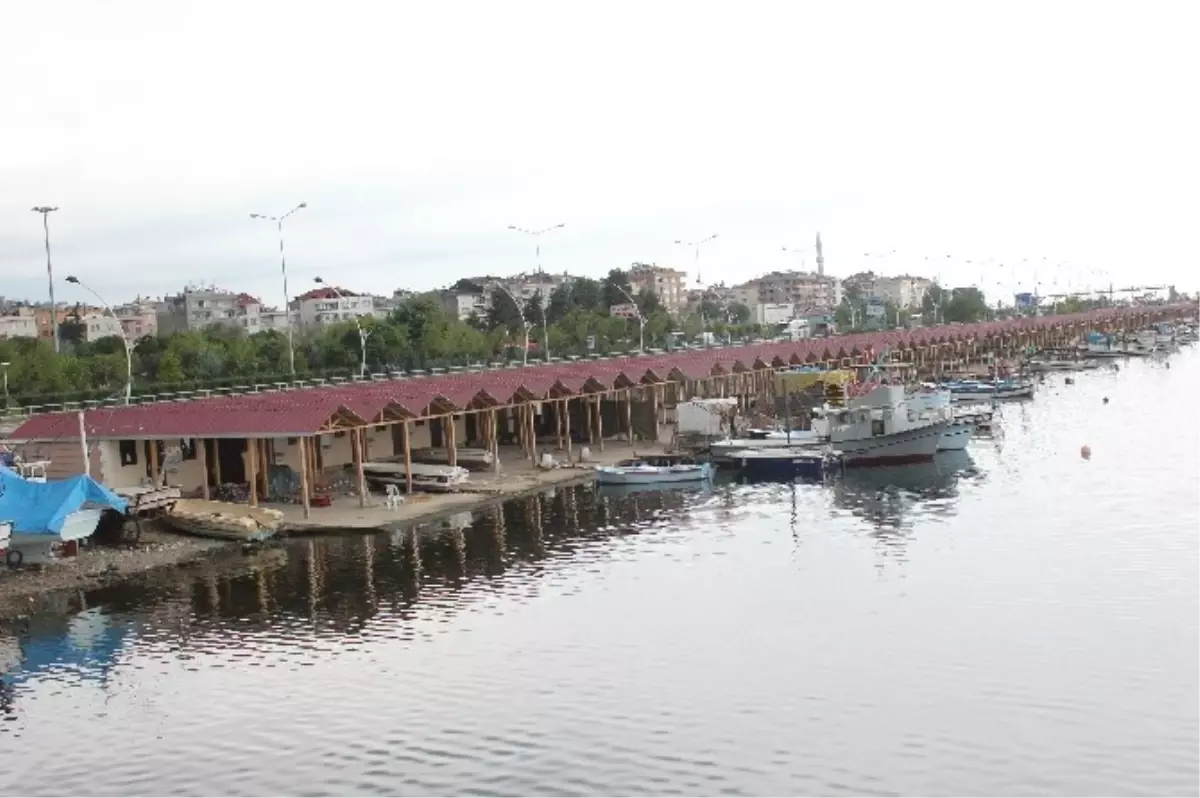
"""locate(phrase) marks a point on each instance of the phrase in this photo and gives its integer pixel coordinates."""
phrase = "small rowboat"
(654, 469)
(223, 520)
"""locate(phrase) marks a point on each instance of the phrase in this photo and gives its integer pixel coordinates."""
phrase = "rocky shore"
(31, 590)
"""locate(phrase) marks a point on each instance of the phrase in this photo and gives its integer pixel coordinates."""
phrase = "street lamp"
(124, 340)
(283, 269)
(5, 366)
(537, 235)
(363, 335)
(696, 246)
(641, 321)
(525, 321)
(45, 211)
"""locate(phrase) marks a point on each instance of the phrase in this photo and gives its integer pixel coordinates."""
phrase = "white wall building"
(767, 313)
(101, 325)
(667, 284)
(325, 306)
(22, 324)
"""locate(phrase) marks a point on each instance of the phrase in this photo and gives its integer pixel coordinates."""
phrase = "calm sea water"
(1015, 621)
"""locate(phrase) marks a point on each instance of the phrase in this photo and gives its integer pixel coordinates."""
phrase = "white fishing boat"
(466, 457)
(654, 469)
(223, 520)
(727, 451)
(426, 477)
(880, 427)
(936, 404)
(989, 390)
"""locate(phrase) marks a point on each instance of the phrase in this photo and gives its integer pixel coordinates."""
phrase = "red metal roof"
(306, 411)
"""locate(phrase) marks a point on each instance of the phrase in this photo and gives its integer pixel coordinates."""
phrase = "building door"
(229, 453)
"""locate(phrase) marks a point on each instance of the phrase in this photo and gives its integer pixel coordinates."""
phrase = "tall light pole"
(641, 321)
(283, 270)
(5, 366)
(695, 245)
(45, 211)
(363, 335)
(537, 235)
(124, 340)
(525, 321)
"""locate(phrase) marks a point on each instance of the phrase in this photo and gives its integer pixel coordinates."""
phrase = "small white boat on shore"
(654, 469)
(465, 457)
(433, 478)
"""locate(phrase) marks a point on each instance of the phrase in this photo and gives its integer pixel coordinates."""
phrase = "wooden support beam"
(654, 405)
(154, 481)
(264, 473)
(589, 422)
(359, 443)
(566, 411)
(304, 492)
(629, 413)
(202, 452)
(533, 457)
(216, 447)
(252, 469)
(450, 433)
(600, 420)
(408, 458)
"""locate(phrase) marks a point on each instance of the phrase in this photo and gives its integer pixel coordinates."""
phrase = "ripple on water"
(1012, 621)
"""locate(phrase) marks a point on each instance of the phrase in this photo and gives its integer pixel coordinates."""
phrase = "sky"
(994, 145)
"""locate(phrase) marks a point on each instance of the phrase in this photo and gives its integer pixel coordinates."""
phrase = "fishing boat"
(433, 478)
(223, 520)
(654, 469)
(466, 457)
(49, 518)
(725, 451)
(935, 403)
(786, 463)
(879, 427)
(988, 390)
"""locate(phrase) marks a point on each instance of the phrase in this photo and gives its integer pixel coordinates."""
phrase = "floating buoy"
(1070, 381)
(1086, 452)
(1106, 400)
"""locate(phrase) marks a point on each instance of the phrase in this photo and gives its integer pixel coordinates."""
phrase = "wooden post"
(264, 473)
(654, 404)
(493, 425)
(364, 440)
(450, 433)
(216, 447)
(359, 445)
(566, 410)
(252, 469)
(202, 452)
(154, 464)
(408, 457)
(533, 458)
(588, 420)
(600, 420)
(304, 493)
(311, 443)
(629, 413)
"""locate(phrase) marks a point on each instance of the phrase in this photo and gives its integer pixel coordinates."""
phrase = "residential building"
(667, 284)
(771, 313)
(196, 308)
(22, 323)
(138, 319)
(905, 291)
(795, 288)
(325, 305)
(44, 324)
(100, 324)
(466, 298)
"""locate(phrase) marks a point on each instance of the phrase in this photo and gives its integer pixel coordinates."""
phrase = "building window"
(128, 452)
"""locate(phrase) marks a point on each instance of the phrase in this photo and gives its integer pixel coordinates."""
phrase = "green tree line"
(419, 334)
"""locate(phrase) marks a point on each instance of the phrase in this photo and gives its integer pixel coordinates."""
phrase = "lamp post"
(278, 220)
(5, 366)
(525, 321)
(641, 321)
(363, 335)
(45, 211)
(695, 245)
(124, 340)
(537, 235)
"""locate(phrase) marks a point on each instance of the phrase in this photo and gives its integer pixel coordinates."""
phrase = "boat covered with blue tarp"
(45, 508)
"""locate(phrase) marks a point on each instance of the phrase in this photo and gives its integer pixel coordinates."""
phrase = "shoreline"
(58, 588)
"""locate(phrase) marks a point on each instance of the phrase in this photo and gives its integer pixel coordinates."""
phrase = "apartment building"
(101, 324)
(796, 288)
(327, 305)
(20, 323)
(669, 285)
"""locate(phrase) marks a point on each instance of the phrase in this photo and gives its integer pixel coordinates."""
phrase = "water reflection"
(892, 498)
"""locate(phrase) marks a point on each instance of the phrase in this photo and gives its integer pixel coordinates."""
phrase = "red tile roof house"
(300, 427)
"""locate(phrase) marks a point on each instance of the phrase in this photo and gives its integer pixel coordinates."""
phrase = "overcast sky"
(968, 141)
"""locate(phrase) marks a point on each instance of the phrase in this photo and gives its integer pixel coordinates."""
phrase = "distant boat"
(989, 390)
(653, 470)
(466, 457)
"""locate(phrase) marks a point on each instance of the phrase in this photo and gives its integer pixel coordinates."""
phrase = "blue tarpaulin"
(39, 508)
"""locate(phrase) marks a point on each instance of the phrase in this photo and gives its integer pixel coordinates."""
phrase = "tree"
(965, 305)
(741, 312)
(647, 302)
(616, 285)
(504, 312)
(560, 303)
(170, 368)
(587, 294)
(533, 308)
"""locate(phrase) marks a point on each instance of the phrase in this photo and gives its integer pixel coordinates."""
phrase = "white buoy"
(1086, 452)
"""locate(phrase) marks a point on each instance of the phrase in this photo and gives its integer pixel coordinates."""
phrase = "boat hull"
(726, 451)
(984, 395)
(956, 436)
(911, 446)
(781, 465)
(611, 475)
